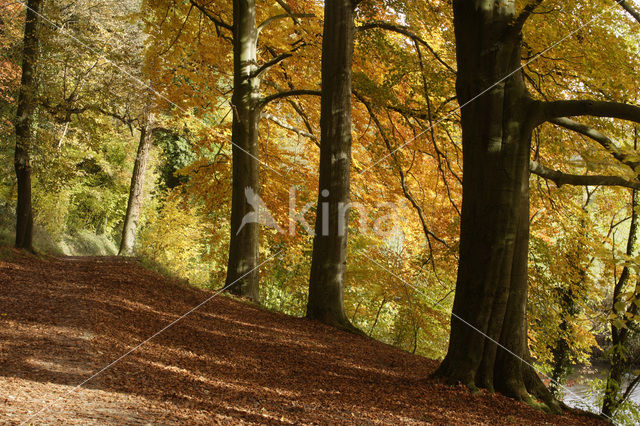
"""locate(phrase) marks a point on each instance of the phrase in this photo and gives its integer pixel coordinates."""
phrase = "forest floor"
(229, 362)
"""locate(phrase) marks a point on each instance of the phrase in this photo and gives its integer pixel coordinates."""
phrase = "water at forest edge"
(580, 393)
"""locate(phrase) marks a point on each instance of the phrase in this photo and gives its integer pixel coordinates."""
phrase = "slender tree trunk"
(561, 351)
(373, 326)
(326, 284)
(23, 123)
(242, 274)
(619, 361)
(136, 190)
(570, 308)
(491, 290)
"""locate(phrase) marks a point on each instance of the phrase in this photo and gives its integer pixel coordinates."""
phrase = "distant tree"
(136, 189)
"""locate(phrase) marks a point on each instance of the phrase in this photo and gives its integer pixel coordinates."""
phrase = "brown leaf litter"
(64, 319)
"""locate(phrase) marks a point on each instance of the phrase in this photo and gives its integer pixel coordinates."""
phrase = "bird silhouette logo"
(260, 213)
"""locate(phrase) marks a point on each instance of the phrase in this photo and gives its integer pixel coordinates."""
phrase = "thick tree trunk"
(26, 105)
(242, 274)
(326, 284)
(136, 190)
(491, 290)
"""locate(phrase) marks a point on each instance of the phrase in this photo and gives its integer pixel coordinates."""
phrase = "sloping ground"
(63, 319)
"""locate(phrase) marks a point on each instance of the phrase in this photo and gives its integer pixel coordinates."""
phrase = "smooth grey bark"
(328, 265)
(136, 189)
(242, 274)
(23, 123)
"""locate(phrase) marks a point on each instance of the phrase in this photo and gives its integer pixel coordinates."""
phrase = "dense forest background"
(120, 81)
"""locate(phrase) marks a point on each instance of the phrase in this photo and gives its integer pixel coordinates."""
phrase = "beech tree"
(24, 120)
(136, 188)
(488, 340)
(326, 284)
(247, 104)
(244, 244)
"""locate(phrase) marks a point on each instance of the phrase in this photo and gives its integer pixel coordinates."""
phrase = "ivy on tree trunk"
(620, 331)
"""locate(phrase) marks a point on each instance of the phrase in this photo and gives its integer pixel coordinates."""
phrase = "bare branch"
(267, 65)
(301, 113)
(632, 386)
(560, 178)
(271, 19)
(179, 33)
(403, 180)
(288, 9)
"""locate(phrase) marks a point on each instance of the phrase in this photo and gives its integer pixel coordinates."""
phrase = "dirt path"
(62, 320)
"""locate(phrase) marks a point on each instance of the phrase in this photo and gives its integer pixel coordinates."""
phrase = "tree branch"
(595, 135)
(525, 15)
(267, 65)
(403, 180)
(299, 132)
(62, 112)
(302, 114)
(218, 22)
(288, 9)
(632, 386)
(630, 9)
(265, 101)
(284, 16)
(558, 109)
(408, 33)
(560, 178)
(179, 33)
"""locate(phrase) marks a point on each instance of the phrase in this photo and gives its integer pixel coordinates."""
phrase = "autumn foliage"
(101, 68)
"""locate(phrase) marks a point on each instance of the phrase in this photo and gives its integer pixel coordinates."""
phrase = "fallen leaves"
(227, 363)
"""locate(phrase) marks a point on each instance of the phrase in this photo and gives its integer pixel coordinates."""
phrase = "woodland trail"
(63, 319)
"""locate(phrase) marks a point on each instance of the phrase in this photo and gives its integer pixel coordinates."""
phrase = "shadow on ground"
(64, 319)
